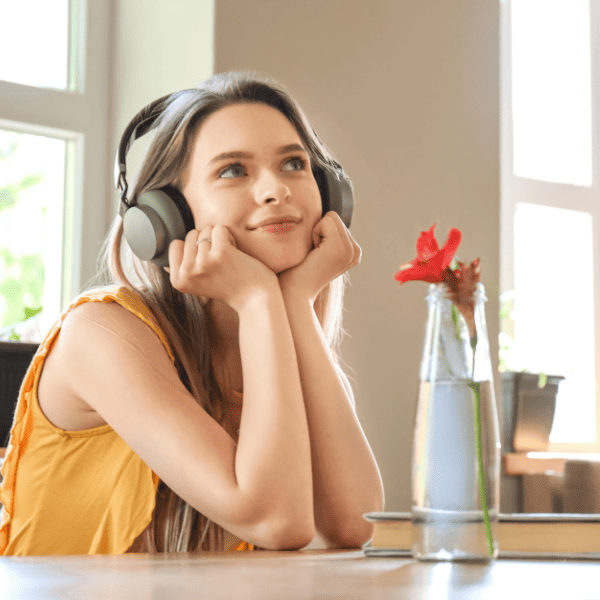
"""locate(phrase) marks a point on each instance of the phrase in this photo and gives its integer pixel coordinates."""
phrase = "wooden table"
(540, 463)
(347, 574)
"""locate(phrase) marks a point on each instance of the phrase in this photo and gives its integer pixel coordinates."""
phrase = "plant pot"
(528, 411)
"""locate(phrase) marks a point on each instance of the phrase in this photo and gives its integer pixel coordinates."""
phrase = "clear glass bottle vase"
(447, 510)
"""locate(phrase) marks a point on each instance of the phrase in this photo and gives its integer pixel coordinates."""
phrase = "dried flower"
(462, 283)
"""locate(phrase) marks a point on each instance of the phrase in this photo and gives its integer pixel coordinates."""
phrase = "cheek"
(317, 212)
(207, 213)
(313, 204)
(199, 212)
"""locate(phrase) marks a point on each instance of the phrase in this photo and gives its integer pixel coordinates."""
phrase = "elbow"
(289, 534)
(350, 534)
(275, 523)
(349, 529)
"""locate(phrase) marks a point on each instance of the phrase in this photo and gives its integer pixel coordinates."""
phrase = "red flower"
(431, 261)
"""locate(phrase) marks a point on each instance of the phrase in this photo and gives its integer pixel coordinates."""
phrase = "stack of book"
(518, 535)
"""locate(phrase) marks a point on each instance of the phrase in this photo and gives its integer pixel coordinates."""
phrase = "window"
(32, 192)
(33, 26)
(551, 206)
(53, 155)
(551, 90)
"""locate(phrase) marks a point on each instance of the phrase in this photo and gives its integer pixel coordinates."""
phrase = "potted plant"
(528, 398)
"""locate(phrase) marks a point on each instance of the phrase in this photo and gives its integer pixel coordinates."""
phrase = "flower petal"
(427, 244)
(451, 246)
(421, 271)
(431, 261)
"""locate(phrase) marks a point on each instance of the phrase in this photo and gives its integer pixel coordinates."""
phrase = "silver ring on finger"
(203, 240)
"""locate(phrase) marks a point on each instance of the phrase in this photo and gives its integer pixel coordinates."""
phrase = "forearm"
(273, 453)
(346, 479)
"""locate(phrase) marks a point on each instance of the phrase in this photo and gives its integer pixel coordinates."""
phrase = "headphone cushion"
(144, 232)
(158, 217)
(336, 192)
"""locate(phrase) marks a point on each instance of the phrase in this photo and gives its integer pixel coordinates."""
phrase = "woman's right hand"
(217, 270)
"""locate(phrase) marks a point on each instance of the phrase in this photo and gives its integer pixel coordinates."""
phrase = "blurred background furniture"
(529, 402)
(534, 480)
(558, 483)
(15, 358)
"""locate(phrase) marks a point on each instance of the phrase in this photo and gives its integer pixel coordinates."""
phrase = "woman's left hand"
(334, 253)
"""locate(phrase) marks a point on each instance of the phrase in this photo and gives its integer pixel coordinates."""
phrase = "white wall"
(160, 46)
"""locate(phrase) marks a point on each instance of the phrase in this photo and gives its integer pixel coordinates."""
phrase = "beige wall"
(406, 94)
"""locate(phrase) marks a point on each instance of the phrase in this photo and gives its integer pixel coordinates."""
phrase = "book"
(523, 534)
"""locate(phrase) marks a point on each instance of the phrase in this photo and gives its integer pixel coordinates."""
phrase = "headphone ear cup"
(157, 218)
(336, 192)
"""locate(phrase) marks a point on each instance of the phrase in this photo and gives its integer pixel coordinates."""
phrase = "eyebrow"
(242, 154)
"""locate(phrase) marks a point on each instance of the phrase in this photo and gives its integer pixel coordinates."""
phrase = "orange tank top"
(75, 492)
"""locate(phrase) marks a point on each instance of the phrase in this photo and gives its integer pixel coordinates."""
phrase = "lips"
(277, 221)
(279, 228)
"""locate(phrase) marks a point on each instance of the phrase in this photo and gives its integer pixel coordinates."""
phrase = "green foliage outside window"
(22, 286)
(21, 277)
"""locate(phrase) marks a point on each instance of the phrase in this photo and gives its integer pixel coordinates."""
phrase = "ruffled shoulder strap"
(23, 418)
(132, 302)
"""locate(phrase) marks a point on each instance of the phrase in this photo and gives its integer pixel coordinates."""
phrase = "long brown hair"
(186, 319)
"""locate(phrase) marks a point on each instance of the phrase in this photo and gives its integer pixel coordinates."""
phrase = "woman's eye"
(296, 164)
(231, 171)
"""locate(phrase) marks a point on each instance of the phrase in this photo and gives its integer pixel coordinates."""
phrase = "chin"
(280, 259)
(282, 263)
(278, 266)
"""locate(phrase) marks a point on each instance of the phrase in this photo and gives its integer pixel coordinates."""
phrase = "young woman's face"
(249, 164)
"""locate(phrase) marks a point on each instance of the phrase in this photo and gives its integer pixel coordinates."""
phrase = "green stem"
(486, 516)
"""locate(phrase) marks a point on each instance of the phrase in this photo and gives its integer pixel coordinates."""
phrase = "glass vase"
(456, 390)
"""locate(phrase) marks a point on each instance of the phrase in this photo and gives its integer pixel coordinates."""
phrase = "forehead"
(252, 127)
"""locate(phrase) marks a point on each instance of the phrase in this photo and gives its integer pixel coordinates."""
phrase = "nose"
(270, 188)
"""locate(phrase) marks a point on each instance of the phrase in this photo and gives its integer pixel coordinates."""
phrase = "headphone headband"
(152, 221)
(142, 123)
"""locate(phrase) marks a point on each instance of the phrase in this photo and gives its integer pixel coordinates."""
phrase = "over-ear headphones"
(157, 217)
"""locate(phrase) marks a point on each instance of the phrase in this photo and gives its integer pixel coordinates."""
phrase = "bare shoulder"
(90, 331)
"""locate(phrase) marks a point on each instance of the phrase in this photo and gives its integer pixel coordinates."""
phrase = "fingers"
(352, 249)
(356, 249)
(182, 253)
(192, 249)
(227, 237)
(221, 237)
(175, 255)
(187, 254)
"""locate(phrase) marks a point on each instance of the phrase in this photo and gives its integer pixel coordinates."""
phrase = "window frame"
(550, 194)
(80, 115)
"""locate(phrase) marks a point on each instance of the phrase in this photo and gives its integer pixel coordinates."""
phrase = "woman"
(130, 433)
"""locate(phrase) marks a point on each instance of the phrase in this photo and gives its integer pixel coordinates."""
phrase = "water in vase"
(447, 515)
